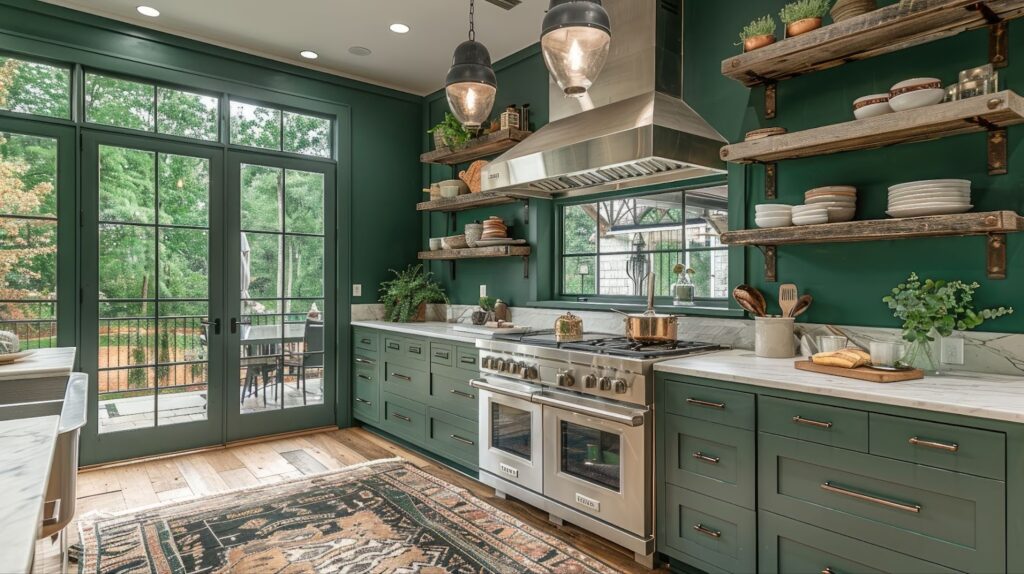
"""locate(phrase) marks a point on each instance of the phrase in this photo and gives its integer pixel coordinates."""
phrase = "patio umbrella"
(246, 268)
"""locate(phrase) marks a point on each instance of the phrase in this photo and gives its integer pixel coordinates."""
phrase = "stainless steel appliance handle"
(635, 420)
(486, 385)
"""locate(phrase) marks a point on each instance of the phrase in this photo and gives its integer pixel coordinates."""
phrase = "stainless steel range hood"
(632, 130)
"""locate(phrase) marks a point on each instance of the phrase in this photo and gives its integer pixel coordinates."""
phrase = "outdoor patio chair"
(312, 355)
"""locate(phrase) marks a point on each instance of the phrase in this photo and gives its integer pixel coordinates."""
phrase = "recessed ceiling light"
(359, 51)
(399, 28)
(309, 54)
(148, 11)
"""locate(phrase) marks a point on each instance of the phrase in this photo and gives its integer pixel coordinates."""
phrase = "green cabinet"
(825, 424)
(956, 448)
(707, 533)
(714, 459)
(404, 418)
(710, 404)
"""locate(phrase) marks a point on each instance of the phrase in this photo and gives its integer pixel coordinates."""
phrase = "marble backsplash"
(997, 353)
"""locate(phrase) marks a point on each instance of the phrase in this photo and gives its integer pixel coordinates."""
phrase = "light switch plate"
(357, 290)
(951, 350)
(483, 290)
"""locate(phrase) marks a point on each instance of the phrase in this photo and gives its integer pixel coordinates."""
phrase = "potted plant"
(935, 308)
(486, 310)
(450, 133)
(758, 34)
(802, 16)
(406, 296)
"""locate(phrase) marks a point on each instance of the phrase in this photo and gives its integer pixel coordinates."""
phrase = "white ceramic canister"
(774, 337)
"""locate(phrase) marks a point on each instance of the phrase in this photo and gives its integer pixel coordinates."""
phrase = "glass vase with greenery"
(932, 308)
(405, 297)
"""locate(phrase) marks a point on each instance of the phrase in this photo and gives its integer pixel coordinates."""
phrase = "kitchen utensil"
(787, 298)
(887, 353)
(802, 304)
(455, 242)
(774, 338)
(830, 343)
(568, 328)
(471, 176)
(861, 373)
(651, 326)
(750, 299)
(871, 106)
(916, 93)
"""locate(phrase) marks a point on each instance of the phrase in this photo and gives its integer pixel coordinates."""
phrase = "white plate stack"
(839, 201)
(930, 197)
(773, 215)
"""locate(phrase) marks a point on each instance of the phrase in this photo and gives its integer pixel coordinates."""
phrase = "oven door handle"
(486, 385)
(630, 420)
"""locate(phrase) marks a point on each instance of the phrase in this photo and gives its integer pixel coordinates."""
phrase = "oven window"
(591, 454)
(510, 430)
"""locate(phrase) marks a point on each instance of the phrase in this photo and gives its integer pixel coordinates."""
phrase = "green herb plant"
(403, 295)
(939, 305)
(763, 26)
(802, 9)
(488, 303)
(452, 132)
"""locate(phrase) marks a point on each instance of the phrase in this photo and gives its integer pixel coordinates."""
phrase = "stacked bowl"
(494, 228)
(846, 9)
(839, 202)
(930, 197)
(773, 215)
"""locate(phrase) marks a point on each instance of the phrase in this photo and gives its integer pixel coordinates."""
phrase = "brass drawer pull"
(364, 377)
(363, 401)
(401, 377)
(820, 424)
(703, 457)
(441, 354)
(363, 361)
(394, 346)
(401, 417)
(947, 446)
(468, 360)
(365, 341)
(415, 350)
(462, 394)
(915, 508)
(707, 531)
(462, 440)
(708, 404)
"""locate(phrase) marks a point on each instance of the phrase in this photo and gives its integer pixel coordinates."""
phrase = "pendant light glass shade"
(575, 41)
(471, 84)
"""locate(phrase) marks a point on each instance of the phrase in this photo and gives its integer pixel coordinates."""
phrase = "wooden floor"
(186, 476)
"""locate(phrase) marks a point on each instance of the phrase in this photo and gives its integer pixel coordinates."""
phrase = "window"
(33, 88)
(269, 128)
(146, 107)
(609, 247)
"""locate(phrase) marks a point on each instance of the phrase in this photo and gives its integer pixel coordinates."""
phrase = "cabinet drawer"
(405, 382)
(410, 352)
(361, 359)
(468, 359)
(404, 418)
(710, 534)
(960, 449)
(710, 458)
(957, 520)
(788, 546)
(454, 395)
(835, 426)
(442, 354)
(365, 339)
(732, 408)
(366, 395)
(453, 437)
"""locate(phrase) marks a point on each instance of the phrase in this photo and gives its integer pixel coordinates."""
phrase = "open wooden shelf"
(994, 224)
(476, 253)
(477, 148)
(992, 112)
(473, 201)
(888, 29)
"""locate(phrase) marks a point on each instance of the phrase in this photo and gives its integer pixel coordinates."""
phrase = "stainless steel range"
(567, 428)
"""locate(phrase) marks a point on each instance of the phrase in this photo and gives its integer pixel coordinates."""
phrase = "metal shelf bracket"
(996, 256)
(526, 267)
(771, 181)
(771, 99)
(770, 252)
(998, 39)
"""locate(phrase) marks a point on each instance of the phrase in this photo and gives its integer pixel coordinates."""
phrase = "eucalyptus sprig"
(940, 305)
(763, 26)
(802, 9)
(403, 295)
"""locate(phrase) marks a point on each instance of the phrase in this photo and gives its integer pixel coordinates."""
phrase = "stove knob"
(530, 372)
(487, 363)
(590, 381)
(515, 368)
(620, 386)
(500, 365)
(565, 379)
(605, 383)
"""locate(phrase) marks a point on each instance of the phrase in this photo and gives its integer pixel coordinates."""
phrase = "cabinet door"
(712, 535)
(731, 408)
(709, 458)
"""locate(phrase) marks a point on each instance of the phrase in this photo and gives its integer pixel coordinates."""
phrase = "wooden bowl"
(455, 242)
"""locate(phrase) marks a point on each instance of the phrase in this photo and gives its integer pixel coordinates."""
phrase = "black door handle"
(235, 323)
(215, 323)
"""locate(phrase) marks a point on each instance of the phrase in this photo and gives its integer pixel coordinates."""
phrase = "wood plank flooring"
(150, 482)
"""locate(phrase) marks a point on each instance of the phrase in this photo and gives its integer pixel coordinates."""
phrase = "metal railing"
(38, 330)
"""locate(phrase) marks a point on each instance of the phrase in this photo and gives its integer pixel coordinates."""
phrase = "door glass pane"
(262, 198)
(184, 190)
(308, 135)
(304, 209)
(127, 261)
(255, 126)
(127, 333)
(33, 88)
(184, 263)
(127, 185)
(186, 114)
(119, 103)
(591, 454)
(510, 430)
(304, 266)
(182, 363)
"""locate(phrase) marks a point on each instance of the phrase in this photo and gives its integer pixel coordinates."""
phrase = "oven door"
(598, 459)
(510, 432)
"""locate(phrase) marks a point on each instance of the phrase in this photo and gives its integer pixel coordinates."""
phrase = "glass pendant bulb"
(471, 84)
(575, 43)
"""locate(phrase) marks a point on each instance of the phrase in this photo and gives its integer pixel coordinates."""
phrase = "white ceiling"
(415, 62)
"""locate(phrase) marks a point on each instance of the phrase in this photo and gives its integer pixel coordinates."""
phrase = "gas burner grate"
(623, 347)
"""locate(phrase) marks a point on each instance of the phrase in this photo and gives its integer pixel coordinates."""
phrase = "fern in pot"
(406, 296)
(931, 309)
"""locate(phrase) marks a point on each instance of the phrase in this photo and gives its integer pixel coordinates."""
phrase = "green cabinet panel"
(406, 382)
(366, 394)
(706, 403)
(452, 436)
(407, 351)
(957, 520)
(786, 546)
(836, 426)
(454, 395)
(441, 354)
(404, 418)
(708, 533)
(962, 449)
(710, 458)
(468, 359)
(365, 339)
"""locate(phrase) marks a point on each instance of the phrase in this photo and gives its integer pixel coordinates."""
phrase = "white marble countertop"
(437, 330)
(26, 449)
(998, 397)
(43, 363)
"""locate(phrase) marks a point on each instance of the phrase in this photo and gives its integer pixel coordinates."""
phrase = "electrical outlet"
(357, 290)
(483, 290)
(951, 350)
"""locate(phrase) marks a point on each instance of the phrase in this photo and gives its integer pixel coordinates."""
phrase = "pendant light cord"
(472, 30)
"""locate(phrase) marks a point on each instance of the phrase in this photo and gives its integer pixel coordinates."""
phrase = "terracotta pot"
(802, 26)
(421, 314)
(755, 42)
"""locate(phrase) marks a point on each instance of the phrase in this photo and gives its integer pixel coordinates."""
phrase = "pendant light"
(471, 84)
(575, 40)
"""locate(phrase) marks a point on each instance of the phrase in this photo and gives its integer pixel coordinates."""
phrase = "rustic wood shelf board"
(471, 201)
(476, 253)
(991, 112)
(478, 148)
(888, 29)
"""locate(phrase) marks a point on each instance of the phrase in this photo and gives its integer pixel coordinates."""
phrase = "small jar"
(683, 288)
(568, 328)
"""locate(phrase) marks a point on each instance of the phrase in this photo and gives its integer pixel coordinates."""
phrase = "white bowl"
(841, 214)
(773, 222)
(832, 201)
(931, 182)
(773, 208)
(916, 93)
(832, 188)
(809, 209)
(815, 219)
(871, 106)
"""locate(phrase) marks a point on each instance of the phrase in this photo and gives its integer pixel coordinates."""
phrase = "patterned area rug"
(382, 516)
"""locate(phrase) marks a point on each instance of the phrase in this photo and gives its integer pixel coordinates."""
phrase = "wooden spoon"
(748, 300)
(802, 304)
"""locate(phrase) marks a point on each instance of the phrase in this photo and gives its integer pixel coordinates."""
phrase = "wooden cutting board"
(862, 373)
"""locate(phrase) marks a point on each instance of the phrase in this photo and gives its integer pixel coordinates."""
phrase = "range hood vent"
(633, 129)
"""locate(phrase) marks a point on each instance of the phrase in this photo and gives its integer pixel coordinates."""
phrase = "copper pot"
(651, 326)
(754, 42)
(802, 26)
